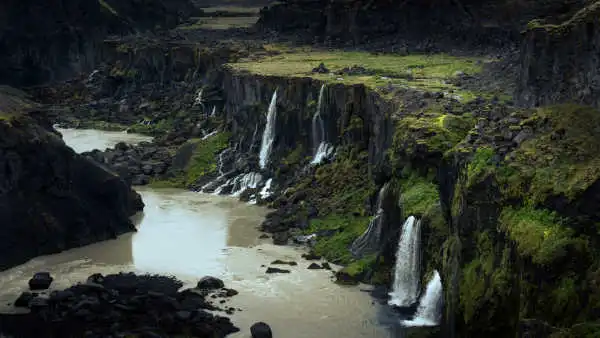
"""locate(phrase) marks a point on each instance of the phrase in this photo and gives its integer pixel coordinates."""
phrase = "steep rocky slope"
(52, 199)
(424, 24)
(52, 40)
(559, 61)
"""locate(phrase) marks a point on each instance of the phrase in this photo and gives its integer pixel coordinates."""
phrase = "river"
(191, 235)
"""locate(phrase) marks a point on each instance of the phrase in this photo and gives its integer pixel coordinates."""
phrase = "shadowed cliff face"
(448, 23)
(52, 199)
(43, 41)
(559, 62)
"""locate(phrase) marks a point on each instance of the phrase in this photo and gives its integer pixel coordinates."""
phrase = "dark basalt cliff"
(559, 63)
(43, 41)
(423, 23)
(51, 198)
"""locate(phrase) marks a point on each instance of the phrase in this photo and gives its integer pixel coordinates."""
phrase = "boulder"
(210, 283)
(314, 266)
(261, 330)
(277, 270)
(40, 281)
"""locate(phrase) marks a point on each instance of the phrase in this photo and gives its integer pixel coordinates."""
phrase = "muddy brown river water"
(191, 235)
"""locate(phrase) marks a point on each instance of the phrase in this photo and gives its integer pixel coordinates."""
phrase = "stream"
(191, 235)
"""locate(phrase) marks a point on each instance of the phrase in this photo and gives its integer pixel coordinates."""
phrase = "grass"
(336, 247)
(426, 72)
(222, 23)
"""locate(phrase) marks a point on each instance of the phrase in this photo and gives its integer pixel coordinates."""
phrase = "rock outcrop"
(51, 198)
(124, 304)
(559, 62)
(44, 41)
(382, 24)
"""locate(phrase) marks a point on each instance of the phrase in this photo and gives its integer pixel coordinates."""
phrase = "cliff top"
(424, 72)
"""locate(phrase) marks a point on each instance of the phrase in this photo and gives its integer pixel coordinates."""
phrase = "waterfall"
(429, 312)
(199, 97)
(318, 126)
(245, 181)
(266, 190)
(407, 272)
(321, 148)
(269, 133)
(323, 152)
(214, 111)
(214, 132)
(370, 240)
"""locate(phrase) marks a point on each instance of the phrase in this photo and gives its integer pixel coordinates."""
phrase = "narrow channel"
(191, 235)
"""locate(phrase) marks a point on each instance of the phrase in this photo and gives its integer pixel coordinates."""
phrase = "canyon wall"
(52, 199)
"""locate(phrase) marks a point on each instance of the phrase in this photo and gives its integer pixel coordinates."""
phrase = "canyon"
(448, 160)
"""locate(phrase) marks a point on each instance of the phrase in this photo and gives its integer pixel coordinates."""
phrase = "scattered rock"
(281, 238)
(40, 281)
(326, 266)
(277, 270)
(264, 236)
(280, 262)
(311, 256)
(24, 299)
(321, 69)
(261, 330)
(210, 283)
(314, 266)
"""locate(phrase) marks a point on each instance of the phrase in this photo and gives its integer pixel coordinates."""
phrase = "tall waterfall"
(245, 181)
(429, 312)
(408, 266)
(199, 98)
(269, 133)
(321, 149)
(214, 111)
(318, 126)
(370, 240)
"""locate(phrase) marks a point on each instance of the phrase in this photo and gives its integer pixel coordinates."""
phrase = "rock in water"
(210, 283)
(24, 299)
(261, 330)
(276, 270)
(314, 266)
(40, 281)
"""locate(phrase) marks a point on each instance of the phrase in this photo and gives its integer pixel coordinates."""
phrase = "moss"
(484, 283)
(361, 266)
(295, 156)
(538, 233)
(585, 15)
(202, 162)
(418, 195)
(427, 136)
(336, 247)
(480, 165)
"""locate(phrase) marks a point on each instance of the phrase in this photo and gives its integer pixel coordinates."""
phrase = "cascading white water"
(318, 126)
(245, 181)
(369, 241)
(212, 133)
(199, 97)
(429, 312)
(266, 190)
(269, 133)
(408, 266)
(321, 149)
(214, 111)
(323, 152)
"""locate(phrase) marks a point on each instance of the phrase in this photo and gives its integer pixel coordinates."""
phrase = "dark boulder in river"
(121, 305)
(51, 198)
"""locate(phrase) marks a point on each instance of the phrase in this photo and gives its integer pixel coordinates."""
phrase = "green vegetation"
(360, 267)
(418, 195)
(219, 23)
(424, 139)
(538, 233)
(485, 283)
(587, 14)
(335, 248)
(426, 72)
(202, 162)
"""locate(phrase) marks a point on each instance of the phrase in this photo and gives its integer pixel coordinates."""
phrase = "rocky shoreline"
(122, 305)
